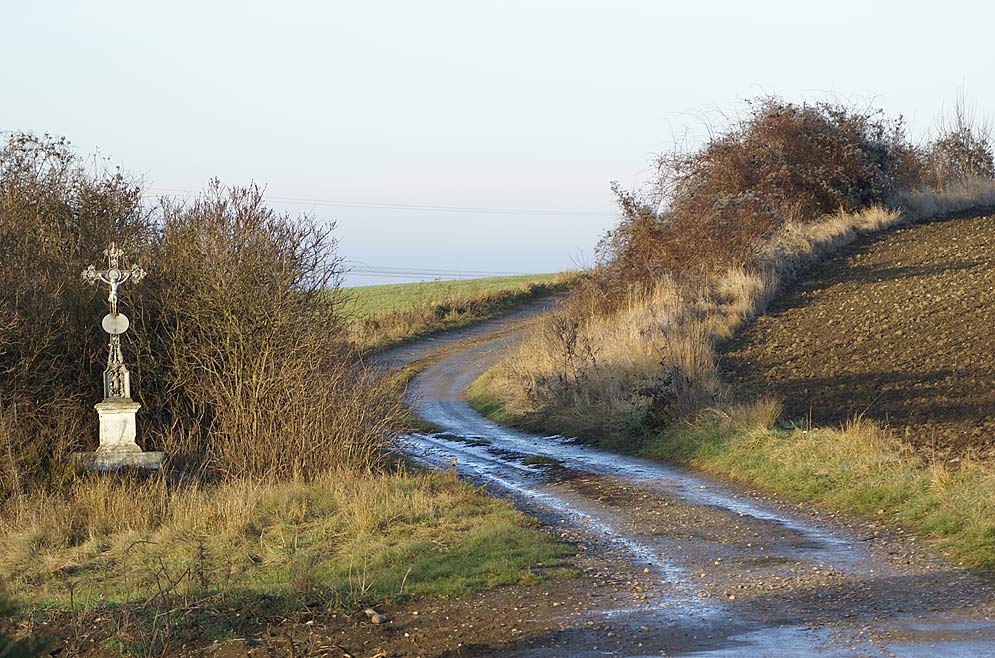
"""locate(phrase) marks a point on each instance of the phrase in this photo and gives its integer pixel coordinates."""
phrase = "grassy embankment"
(630, 362)
(386, 315)
(860, 468)
(342, 540)
(150, 566)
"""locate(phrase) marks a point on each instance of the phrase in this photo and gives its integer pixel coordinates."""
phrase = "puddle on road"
(774, 643)
(709, 640)
(527, 484)
(490, 454)
(920, 639)
(813, 544)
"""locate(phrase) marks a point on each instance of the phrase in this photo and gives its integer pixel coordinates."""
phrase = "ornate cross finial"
(117, 379)
(113, 276)
(113, 255)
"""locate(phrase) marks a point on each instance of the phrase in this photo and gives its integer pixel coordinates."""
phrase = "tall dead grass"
(147, 550)
(960, 196)
(51, 533)
(727, 226)
(652, 360)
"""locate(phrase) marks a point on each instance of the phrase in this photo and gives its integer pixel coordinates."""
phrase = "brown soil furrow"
(899, 329)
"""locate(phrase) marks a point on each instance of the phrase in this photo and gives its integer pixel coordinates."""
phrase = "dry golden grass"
(957, 197)
(859, 468)
(109, 540)
(585, 372)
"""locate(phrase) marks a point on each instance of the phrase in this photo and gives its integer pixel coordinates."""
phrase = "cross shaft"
(117, 379)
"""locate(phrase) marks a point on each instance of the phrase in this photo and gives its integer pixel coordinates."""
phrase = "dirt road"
(673, 564)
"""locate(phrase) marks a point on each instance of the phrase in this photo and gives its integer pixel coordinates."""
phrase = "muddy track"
(899, 329)
(676, 564)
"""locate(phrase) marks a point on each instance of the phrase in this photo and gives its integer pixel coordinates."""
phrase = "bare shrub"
(962, 151)
(243, 354)
(704, 252)
(722, 229)
(655, 352)
(237, 350)
(54, 218)
(782, 163)
(646, 246)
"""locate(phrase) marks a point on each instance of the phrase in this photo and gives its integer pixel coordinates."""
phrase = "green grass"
(384, 316)
(542, 460)
(860, 469)
(345, 541)
(365, 301)
(481, 400)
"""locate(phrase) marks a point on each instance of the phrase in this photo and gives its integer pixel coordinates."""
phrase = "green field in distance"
(364, 301)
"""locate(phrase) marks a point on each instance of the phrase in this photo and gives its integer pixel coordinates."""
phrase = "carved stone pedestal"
(117, 447)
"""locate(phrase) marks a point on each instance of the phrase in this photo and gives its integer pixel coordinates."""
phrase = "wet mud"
(680, 565)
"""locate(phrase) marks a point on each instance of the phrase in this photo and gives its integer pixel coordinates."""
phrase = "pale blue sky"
(525, 105)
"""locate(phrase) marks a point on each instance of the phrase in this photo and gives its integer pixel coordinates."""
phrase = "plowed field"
(899, 328)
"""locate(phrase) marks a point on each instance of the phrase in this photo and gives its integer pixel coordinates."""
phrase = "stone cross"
(117, 379)
(117, 410)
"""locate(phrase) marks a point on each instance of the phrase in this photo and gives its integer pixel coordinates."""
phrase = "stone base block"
(114, 460)
(117, 425)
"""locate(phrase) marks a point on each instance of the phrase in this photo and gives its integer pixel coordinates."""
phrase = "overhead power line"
(386, 269)
(375, 275)
(414, 272)
(402, 206)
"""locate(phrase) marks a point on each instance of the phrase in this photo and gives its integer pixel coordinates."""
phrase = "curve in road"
(724, 573)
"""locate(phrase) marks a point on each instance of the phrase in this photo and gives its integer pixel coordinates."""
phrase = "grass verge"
(859, 469)
(114, 547)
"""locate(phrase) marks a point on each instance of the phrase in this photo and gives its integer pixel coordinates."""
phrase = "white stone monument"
(118, 447)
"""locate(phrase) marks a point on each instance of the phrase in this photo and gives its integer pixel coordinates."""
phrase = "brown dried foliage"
(52, 216)
(713, 208)
(711, 211)
(237, 350)
(961, 151)
(784, 162)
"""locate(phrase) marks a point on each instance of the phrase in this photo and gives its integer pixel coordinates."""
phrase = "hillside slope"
(899, 329)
